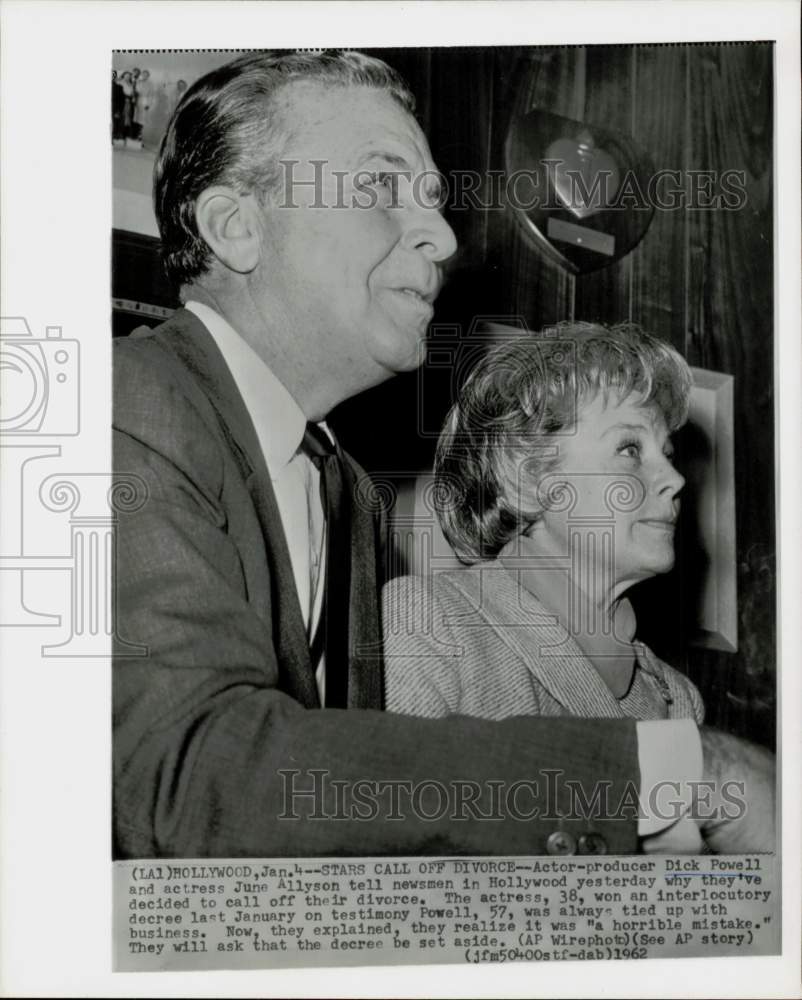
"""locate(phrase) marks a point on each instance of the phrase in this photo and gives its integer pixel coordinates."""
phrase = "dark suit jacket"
(218, 727)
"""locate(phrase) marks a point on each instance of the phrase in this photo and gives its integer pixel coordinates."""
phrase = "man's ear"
(228, 223)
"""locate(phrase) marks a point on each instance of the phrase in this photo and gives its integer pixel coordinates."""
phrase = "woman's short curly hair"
(520, 394)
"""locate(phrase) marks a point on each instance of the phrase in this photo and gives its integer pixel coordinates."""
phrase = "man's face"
(354, 265)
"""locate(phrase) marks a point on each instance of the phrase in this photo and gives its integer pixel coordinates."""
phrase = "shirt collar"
(277, 418)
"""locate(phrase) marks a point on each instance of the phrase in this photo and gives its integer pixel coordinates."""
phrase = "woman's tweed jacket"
(472, 642)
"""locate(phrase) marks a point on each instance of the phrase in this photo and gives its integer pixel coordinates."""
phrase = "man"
(298, 211)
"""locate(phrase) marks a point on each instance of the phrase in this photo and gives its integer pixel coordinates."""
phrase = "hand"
(735, 806)
(682, 837)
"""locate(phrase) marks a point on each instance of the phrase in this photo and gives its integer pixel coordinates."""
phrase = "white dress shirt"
(280, 424)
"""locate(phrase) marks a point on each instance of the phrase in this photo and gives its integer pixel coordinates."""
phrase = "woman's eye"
(631, 449)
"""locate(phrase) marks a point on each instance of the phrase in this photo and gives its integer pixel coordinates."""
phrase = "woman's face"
(614, 441)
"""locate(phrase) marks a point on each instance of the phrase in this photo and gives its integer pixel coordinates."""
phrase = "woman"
(555, 487)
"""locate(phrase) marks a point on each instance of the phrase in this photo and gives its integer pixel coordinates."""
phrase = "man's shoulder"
(149, 351)
(155, 370)
(142, 351)
(160, 403)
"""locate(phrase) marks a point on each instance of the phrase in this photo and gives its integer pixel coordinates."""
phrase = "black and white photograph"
(430, 553)
(360, 617)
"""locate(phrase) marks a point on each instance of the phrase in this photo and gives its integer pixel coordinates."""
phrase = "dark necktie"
(333, 631)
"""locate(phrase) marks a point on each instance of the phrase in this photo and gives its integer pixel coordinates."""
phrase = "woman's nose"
(669, 479)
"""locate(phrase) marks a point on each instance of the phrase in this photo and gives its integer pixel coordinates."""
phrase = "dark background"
(701, 279)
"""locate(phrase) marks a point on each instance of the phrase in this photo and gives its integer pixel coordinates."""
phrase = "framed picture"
(708, 550)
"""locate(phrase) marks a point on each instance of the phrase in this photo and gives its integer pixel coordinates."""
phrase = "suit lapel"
(194, 346)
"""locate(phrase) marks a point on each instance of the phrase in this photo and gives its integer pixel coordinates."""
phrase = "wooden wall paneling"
(730, 329)
(660, 126)
(509, 73)
(551, 79)
(460, 134)
(604, 295)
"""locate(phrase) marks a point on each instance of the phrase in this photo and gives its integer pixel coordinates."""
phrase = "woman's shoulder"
(409, 593)
(431, 582)
(486, 588)
(465, 584)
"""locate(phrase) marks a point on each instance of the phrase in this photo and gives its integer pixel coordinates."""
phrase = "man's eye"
(382, 178)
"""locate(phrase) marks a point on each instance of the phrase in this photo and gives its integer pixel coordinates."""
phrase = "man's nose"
(428, 232)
